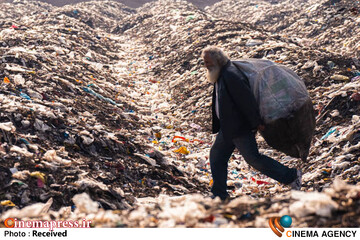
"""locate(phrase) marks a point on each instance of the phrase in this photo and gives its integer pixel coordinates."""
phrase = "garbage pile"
(112, 119)
(67, 124)
(336, 206)
(104, 14)
(325, 24)
(20, 8)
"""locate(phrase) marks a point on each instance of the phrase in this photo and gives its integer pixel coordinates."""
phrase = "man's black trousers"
(221, 151)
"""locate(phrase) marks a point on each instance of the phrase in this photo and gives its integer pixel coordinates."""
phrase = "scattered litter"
(89, 104)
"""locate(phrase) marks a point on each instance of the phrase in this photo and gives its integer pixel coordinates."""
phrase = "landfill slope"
(327, 24)
(67, 122)
(105, 114)
(130, 3)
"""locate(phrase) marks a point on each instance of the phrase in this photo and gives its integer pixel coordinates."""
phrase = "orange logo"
(277, 224)
(9, 222)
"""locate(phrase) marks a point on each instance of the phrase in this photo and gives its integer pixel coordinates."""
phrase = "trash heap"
(20, 8)
(104, 14)
(67, 124)
(336, 206)
(111, 120)
(325, 24)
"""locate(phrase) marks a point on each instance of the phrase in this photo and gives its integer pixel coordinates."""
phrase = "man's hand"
(261, 127)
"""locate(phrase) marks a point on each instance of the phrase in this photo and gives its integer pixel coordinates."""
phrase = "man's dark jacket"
(238, 109)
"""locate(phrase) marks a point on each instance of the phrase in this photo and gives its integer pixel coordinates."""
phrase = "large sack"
(277, 89)
(292, 135)
(284, 105)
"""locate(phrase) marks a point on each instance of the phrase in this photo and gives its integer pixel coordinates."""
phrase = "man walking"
(236, 118)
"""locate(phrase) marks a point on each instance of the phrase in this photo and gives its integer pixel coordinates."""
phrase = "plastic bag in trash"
(84, 203)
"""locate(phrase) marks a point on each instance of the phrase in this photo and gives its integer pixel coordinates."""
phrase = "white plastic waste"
(308, 203)
(84, 203)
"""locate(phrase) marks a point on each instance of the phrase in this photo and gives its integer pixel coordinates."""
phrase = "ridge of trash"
(327, 24)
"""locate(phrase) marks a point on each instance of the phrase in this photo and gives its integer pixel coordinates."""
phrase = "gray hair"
(217, 54)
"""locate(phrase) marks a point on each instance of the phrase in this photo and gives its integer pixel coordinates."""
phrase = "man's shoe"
(296, 184)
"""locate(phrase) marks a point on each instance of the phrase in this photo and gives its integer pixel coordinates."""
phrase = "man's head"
(214, 58)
